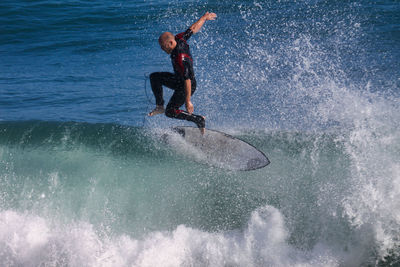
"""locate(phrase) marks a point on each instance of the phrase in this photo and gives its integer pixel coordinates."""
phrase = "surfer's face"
(168, 46)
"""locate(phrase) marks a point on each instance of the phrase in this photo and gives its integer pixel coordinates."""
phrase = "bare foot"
(156, 111)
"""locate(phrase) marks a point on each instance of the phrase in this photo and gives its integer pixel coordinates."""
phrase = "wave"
(70, 135)
(110, 194)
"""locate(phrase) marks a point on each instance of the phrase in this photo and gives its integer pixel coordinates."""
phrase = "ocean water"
(85, 179)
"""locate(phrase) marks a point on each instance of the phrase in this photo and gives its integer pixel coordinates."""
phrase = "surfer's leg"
(157, 80)
(156, 85)
(176, 101)
(174, 112)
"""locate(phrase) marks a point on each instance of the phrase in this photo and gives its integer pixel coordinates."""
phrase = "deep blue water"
(84, 177)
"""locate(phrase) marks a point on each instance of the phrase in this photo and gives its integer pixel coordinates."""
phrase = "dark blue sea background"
(86, 180)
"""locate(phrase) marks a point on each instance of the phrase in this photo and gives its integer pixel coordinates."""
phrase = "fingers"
(210, 16)
(189, 107)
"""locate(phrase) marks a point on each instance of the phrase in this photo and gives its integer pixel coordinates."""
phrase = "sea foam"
(31, 240)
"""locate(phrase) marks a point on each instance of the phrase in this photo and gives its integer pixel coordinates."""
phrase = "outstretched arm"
(198, 24)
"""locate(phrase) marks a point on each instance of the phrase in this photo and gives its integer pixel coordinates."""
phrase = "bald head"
(165, 37)
(167, 42)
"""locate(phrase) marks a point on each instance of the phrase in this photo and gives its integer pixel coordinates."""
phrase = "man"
(182, 81)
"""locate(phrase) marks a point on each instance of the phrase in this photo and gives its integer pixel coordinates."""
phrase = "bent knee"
(153, 76)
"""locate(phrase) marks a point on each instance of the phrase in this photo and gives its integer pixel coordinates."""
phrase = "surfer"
(182, 81)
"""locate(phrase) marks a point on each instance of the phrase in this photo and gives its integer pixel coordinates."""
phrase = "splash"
(30, 240)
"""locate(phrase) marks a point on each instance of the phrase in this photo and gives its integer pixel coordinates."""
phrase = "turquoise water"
(85, 179)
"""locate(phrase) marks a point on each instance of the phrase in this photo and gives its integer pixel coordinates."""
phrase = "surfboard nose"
(257, 163)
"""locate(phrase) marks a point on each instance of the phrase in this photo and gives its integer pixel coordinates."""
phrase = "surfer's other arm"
(188, 93)
(198, 24)
(188, 85)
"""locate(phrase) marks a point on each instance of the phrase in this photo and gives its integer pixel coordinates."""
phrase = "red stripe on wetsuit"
(179, 61)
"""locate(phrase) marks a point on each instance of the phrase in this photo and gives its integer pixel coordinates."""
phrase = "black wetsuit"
(182, 63)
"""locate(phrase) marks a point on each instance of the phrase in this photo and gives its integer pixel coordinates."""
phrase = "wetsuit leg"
(158, 79)
(183, 115)
(176, 101)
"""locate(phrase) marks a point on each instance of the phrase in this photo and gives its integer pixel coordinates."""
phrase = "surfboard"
(216, 148)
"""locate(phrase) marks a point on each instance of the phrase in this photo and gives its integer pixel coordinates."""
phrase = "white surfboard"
(216, 148)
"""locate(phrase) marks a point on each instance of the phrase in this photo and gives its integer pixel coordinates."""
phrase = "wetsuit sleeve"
(185, 35)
